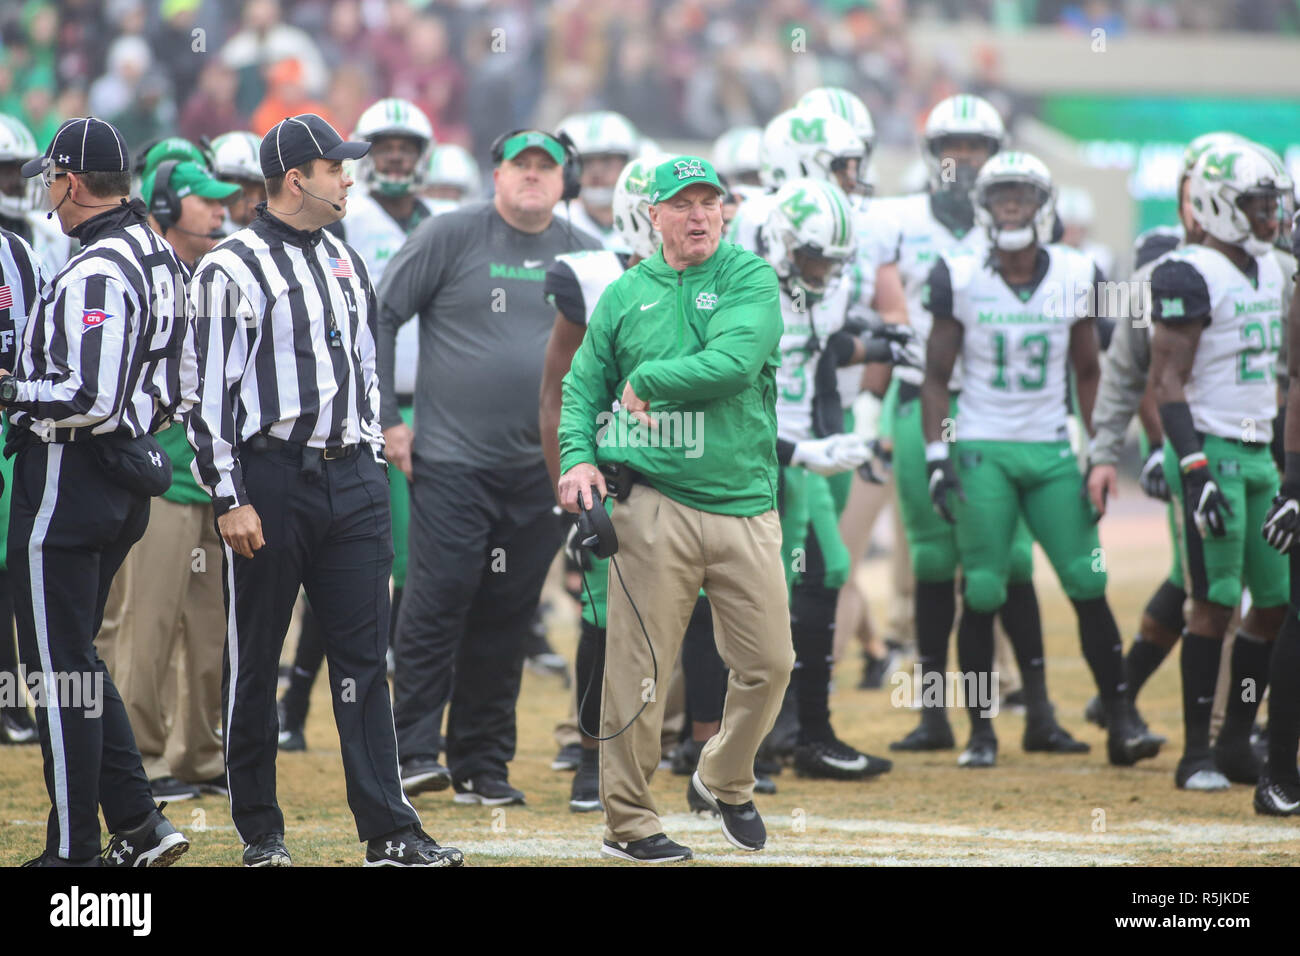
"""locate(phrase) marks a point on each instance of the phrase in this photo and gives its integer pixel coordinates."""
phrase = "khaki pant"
(166, 600)
(667, 552)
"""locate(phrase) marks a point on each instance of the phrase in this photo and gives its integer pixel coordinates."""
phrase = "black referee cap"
(84, 145)
(297, 139)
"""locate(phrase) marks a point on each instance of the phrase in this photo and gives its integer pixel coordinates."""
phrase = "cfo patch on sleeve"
(93, 318)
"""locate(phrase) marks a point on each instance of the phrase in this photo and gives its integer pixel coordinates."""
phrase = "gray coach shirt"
(475, 283)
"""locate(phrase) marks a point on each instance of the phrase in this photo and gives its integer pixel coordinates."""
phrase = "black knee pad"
(1166, 607)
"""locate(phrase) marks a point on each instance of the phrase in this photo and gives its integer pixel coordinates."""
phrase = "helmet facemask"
(1028, 222)
(393, 185)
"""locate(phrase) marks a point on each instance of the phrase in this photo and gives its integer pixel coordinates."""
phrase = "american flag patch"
(341, 268)
(6, 297)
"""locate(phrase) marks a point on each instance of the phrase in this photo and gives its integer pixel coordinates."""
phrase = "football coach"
(688, 337)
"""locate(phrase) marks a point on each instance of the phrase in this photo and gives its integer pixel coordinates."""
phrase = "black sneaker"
(487, 791)
(876, 669)
(584, 795)
(982, 751)
(933, 733)
(171, 789)
(411, 846)
(741, 824)
(685, 757)
(423, 775)
(1044, 735)
(568, 757)
(267, 850)
(1277, 798)
(651, 849)
(833, 759)
(17, 727)
(215, 785)
(154, 842)
(1235, 759)
(764, 784)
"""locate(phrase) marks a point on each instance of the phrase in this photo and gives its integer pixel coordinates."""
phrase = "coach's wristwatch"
(8, 389)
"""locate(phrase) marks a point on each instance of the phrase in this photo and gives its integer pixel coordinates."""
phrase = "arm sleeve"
(589, 388)
(410, 282)
(1179, 294)
(562, 290)
(88, 321)
(1123, 382)
(212, 364)
(936, 294)
(742, 337)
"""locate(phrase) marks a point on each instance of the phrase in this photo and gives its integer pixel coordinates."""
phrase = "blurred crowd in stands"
(676, 68)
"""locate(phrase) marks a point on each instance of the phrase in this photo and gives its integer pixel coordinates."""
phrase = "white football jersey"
(582, 276)
(1232, 389)
(922, 239)
(749, 218)
(51, 246)
(1015, 349)
(877, 238)
(376, 237)
(802, 344)
(577, 214)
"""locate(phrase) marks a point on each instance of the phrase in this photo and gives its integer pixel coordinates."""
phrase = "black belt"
(268, 443)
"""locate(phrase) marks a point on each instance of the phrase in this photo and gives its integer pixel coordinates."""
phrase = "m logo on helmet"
(808, 131)
(688, 168)
(798, 208)
(1171, 308)
(1219, 166)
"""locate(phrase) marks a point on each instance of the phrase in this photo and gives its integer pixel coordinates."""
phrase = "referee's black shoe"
(411, 846)
(488, 791)
(652, 849)
(152, 842)
(741, 824)
(267, 850)
(933, 733)
(424, 774)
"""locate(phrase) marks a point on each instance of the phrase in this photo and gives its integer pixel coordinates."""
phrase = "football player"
(1218, 313)
(451, 177)
(235, 160)
(604, 142)
(19, 211)
(1015, 315)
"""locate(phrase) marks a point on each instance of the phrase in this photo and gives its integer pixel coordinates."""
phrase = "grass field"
(1029, 810)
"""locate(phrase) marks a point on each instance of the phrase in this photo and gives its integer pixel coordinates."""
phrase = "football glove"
(1202, 495)
(830, 456)
(1282, 523)
(895, 344)
(877, 468)
(943, 479)
(1152, 478)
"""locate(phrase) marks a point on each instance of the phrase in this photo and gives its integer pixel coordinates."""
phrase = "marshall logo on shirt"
(499, 270)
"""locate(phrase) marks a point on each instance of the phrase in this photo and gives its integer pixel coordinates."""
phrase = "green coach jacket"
(701, 346)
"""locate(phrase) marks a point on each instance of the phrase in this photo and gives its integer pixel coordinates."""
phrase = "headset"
(572, 161)
(164, 204)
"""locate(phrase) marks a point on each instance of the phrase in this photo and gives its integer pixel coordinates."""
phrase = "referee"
(97, 373)
(280, 369)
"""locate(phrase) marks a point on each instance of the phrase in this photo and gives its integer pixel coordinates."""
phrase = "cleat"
(1236, 760)
(833, 759)
(584, 795)
(933, 733)
(1094, 713)
(1127, 738)
(1199, 773)
(1044, 735)
(18, 728)
(764, 785)
(568, 757)
(487, 792)
(267, 850)
(424, 775)
(171, 789)
(411, 846)
(741, 824)
(652, 849)
(982, 751)
(1276, 798)
(155, 842)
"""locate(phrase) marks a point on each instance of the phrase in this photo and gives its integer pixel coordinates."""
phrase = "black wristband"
(1180, 431)
(784, 451)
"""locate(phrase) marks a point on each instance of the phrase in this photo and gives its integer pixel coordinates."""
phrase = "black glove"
(943, 479)
(1282, 523)
(1203, 496)
(895, 344)
(877, 468)
(1152, 478)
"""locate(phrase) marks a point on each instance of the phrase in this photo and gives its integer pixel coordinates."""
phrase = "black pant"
(69, 531)
(480, 545)
(330, 534)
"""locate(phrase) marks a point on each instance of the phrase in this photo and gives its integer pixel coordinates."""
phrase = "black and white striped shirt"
(258, 355)
(21, 281)
(101, 353)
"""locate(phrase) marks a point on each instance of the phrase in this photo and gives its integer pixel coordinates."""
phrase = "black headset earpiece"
(164, 204)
